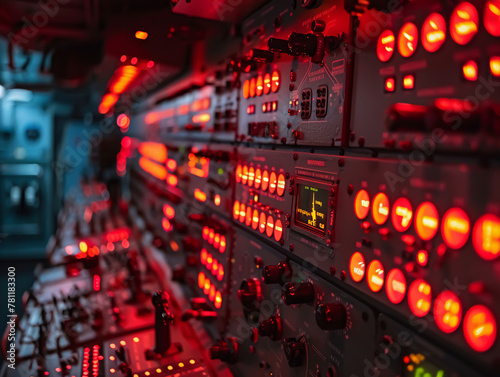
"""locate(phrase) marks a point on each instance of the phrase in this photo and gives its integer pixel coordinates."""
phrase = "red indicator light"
(242, 213)
(426, 221)
(238, 173)
(218, 300)
(251, 176)
(262, 222)
(402, 214)
(375, 276)
(275, 105)
(422, 258)
(244, 175)
(495, 66)
(253, 87)
(492, 17)
(223, 244)
(464, 23)
(217, 200)
(206, 287)
(278, 230)
(236, 210)
(153, 168)
(267, 83)
(258, 178)
(395, 286)
(265, 180)
(390, 84)
(480, 328)
(217, 240)
(171, 165)
(141, 34)
(409, 82)
(153, 151)
(200, 195)
(281, 185)
(246, 89)
(201, 280)
(210, 261)
(269, 226)
(357, 266)
(272, 182)
(264, 108)
(385, 45)
(408, 39)
(486, 237)
(220, 272)
(455, 228)
(172, 180)
(260, 85)
(447, 311)
(201, 118)
(203, 256)
(168, 211)
(362, 204)
(470, 70)
(419, 297)
(167, 227)
(380, 208)
(433, 32)
(275, 81)
(123, 121)
(248, 216)
(97, 283)
(255, 219)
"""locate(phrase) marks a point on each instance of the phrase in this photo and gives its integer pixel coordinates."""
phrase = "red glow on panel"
(211, 236)
(402, 214)
(395, 286)
(480, 328)
(455, 228)
(408, 39)
(203, 256)
(206, 287)
(470, 70)
(97, 283)
(141, 34)
(273, 180)
(447, 311)
(422, 258)
(123, 121)
(267, 83)
(361, 204)
(433, 32)
(172, 180)
(426, 221)
(248, 216)
(380, 208)
(357, 266)
(486, 237)
(419, 297)
(153, 168)
(385, 45)
(275, 81)
(200, 195)
(108, 101)
(375, 276)
(153, 151)
(492, 17)
(265, 180)
(223, 244)
(198, 166)
(464, 23)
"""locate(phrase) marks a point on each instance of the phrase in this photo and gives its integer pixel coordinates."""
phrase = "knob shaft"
(294, 351)
(271, 328)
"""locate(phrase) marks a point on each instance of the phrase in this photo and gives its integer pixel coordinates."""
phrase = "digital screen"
(416, 365)
(312, 208)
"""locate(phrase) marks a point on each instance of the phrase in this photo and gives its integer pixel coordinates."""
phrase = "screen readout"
(312, 208)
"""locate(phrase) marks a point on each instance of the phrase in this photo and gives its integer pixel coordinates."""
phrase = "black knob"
(277, 274)
(225, 351)
(278, 45)
(294, 351)
(262, 55)
(250, 293)
(297, 293)
(271, 328)
(331, 316)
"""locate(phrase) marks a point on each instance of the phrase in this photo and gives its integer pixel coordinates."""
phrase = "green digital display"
(312, 208)
(416, 365)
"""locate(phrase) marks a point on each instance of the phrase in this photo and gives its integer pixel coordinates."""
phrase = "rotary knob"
(294, 351)
(277, 274)
(271, 328)
(226, 351)
(297, 293)
(331, 316)
(250, 293)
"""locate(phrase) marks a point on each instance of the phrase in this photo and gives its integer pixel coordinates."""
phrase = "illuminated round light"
(390, 84)
(206, 287)
(470, 70)
(217, 200)
(278, 230)
(210, 261)
(211, 235)
(380, 208)
(375, 275)
(433, 32)
(253, 87)
(244, 175)
(419, 297)
(265, 180)
(357, 266)
(236, 210)
(169, 211)
(251, 176)
(260, 85)
(248, 216)
(218, 304)
(422, 257)
(239, 173)
(495, 66)
(480, 328)
(385, 45)
(281, 185)
(269, 226)
(409, 82)
(267, 83)
(362, 204)
(258, 178)
(486, 237)
(203, 256)
(275, 81)
(395, 286)
(246, 89)
(402, 214)
(242, 213)
(262, 222)
(492, 17)
(211, 296)
(217, 240)
(223, 244)
(255, 219)
(220, 272)
(426, 221)
(215, 266)
(455, 228)
(408, 39)
(272, 182)
(447, 311)
(464, 23)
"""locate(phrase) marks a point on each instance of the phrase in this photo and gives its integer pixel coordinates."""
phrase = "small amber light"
(409, 82)
(390, 84)
(470, 70)
(495, 66)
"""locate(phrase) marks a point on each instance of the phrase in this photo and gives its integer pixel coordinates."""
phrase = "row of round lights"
(217, 240)
(464, 24)
(259, 85)
(479, 323)
(262, 221)
(455, 224)
(263, 180)
(212, 264)
(210, 290)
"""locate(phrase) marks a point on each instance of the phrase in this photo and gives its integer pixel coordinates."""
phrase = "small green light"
(221, 171)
